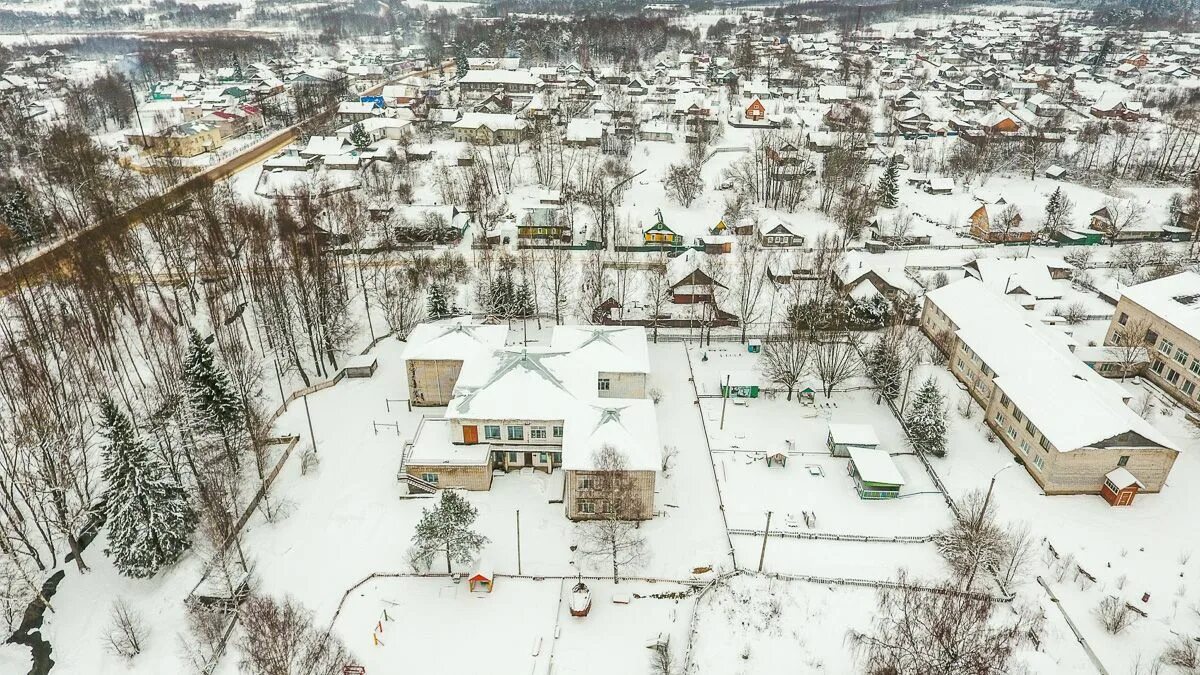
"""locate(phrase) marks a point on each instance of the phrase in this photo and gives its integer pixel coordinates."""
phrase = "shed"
(843, 437)
(361, 366)
(778, 457)
(739, 384)
(1120, 487)
(482, 576)
(754, 346)
(875, 474)
(1079, 237)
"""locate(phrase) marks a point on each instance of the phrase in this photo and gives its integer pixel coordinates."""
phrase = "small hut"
(754, 346)
(482, 576)
(844, 437)
(875, 474)
(778, 457)
(361, 366)
(1120, 487)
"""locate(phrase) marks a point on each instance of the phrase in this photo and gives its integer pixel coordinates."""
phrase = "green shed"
(1079, 237)
(875, 474)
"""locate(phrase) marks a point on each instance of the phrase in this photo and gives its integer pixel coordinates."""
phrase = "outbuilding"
(1120, 487)
(739, 384)
(875, 474)
(843, 437)
(482, 577)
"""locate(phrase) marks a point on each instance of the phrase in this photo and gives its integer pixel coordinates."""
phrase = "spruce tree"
(438, 301)
(926, 420)
(149, 519)
(888, 190)
(1058, 213)
(359, 137)
(460, 61)
(214, 404)
(238, 75)
(446, 528)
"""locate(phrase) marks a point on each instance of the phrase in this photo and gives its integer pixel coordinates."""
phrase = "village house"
(489, 128)
(997, 224)
(554, 409)
(182, 140)
(1063, 421)
(1168, 311)
(476, 84)
(779, 234)
(659, 234)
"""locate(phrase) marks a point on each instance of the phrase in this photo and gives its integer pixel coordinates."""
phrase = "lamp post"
(979, 522)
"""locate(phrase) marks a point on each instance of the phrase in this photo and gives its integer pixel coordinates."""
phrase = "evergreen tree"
(149, 519)
(214, 403)
(888, 190)
(437, 302)
(359, 137)
(926, 420)
(446, 528)
(460, 61)
(883, 366)
(1058, 213)
(22, 217)
(238, 75)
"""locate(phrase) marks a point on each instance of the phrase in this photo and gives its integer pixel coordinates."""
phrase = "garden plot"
(820, 486)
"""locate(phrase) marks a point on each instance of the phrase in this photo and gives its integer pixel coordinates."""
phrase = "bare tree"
(749, 277)
(1183, 653)
(662, 662)
(1122, 214)
(917, 632)
(612, 538)
(682, 183)
(975, 540)
(657, 288)
(1113, 614)
(1130, 349)
(835, 360)
(126, 634)
(786, 359)
(279, 638)
(557, 275)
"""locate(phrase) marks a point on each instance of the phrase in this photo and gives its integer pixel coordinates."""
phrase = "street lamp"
(987, 498)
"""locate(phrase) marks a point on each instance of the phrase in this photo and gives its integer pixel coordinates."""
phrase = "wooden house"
(756, 111)
(986, 225)
(688, 282)
(659, 234)
(779, 234)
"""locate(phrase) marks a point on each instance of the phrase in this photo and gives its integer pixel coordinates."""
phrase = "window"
(491, 432)
(1151, 337)
(1157, 366)
(557, 457)
(1166, 346)
(1025, 446)
(537, 433)
(516, 433)
(1181, 356)
(1030, 428)
(1039, 462)
(498, 457)
(543, 457)
(1012, 432)
(999, 418)
(585, 482)
(1188, 387)
(1123, 460)
(1123, 318)
(610, 506)
(1018, 416)
(1195, 367)
(1045, 444)
(429, 477)
(1004, 400)
(603, 384)
(1172, 376)
(512, 456)
(587, 507)
(558, 431)
(961, 365)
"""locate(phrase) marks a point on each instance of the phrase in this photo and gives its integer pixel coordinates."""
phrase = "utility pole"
(137, 113)
(307, 416)
(763, 554)
(518, 542)
(725, 399)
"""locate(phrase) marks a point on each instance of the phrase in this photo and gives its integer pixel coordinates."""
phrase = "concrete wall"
(640, 508)
(431, 381)
(456, 431)
(624, 385)
(465, 477)
(1166, 363)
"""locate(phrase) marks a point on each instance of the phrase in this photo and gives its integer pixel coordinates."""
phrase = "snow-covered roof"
(325, 145)
(1121, 478)
(1174, 299)
(612, 349)
(581, 130)
(1072, 405)
(741, 378)
(452, 340)
(1014, 275)
(493, 121)
(522, 77)
(875, 466)
(628, 425)
(432, 445)
(844, 433)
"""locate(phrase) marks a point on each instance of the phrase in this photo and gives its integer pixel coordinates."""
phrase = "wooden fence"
(829, 536)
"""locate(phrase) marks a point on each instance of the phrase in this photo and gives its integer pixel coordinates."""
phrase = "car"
(725, 185)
